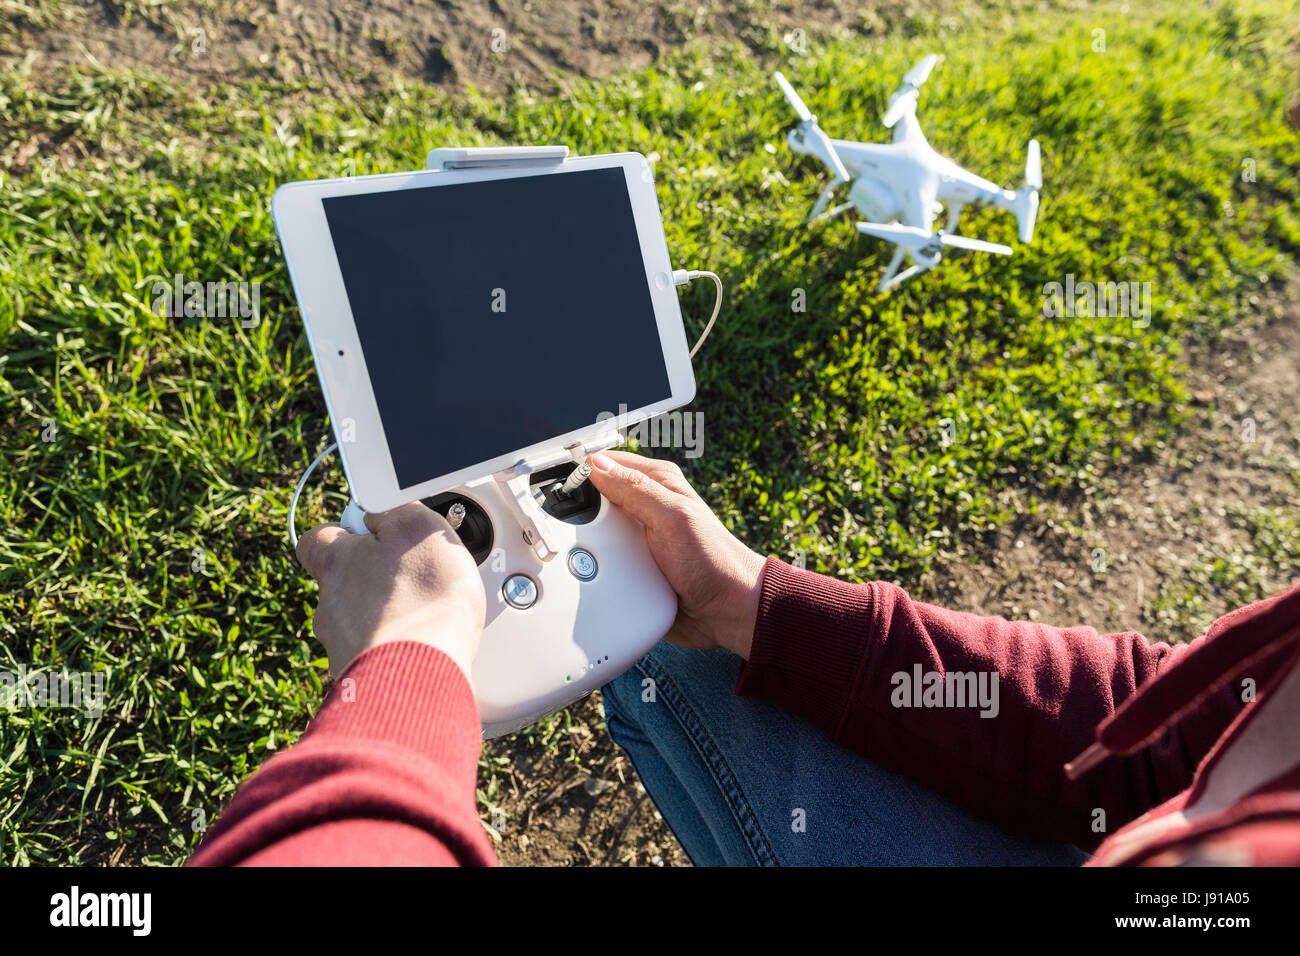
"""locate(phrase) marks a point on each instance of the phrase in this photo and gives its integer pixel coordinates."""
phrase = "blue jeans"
(743, 783)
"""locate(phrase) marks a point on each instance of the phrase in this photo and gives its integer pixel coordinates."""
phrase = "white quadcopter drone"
(900, 187)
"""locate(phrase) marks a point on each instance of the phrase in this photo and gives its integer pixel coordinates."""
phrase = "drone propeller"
(975, 245)
(917, 241)
(1034, 166)
(921, 72)
(905, 99)
(800, 108)
(817, 140)
(1027, 195)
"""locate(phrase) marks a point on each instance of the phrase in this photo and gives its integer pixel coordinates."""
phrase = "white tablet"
(463, 320)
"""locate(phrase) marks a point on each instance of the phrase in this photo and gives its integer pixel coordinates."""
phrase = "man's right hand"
(717, 579)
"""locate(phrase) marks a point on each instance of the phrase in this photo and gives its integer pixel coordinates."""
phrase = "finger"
(408, 516)
(636, 492)
(667, 473)
(318, 547)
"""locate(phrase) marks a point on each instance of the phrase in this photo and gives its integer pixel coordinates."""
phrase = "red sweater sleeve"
(832, 652)
(383, 776)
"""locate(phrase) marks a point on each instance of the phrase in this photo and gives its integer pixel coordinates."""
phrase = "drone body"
(900, 187)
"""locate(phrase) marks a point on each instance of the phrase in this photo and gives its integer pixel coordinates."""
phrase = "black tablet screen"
(494, 315)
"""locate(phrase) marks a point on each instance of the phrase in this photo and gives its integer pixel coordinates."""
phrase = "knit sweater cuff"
(810, 642)
(409, 695)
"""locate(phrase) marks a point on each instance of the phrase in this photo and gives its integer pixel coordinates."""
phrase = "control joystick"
(468, 519)
(564, 492)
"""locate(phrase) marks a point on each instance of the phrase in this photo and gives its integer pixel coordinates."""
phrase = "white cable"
(681, 277)
(297, 492)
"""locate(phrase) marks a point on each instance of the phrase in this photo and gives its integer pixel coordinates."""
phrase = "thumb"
(635, 492)
(317, 548)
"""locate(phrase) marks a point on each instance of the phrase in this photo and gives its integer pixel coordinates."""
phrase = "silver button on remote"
(519, 591)
(582, 564)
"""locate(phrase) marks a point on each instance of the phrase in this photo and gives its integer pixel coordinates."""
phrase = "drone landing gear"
(819, 210)
(829, 213)
(889, 280)
(954, 213)
(923, 246)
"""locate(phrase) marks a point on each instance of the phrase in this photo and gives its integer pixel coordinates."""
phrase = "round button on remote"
(519, 591)
(582, 564)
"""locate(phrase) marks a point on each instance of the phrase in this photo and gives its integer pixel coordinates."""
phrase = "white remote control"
(574, 597)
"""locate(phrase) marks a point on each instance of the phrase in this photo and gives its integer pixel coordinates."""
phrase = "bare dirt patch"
(576, 802)
(350, 45)
(1169, 546)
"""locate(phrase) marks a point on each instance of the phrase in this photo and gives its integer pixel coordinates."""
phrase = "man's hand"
(717, 579)
(410, 579)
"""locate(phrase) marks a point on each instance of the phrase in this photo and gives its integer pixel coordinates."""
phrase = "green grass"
(181, 437)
